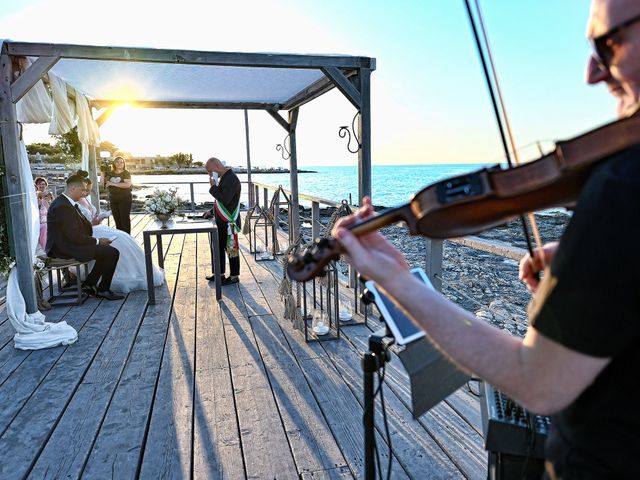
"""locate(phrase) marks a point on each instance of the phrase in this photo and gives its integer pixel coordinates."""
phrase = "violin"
(489, 197)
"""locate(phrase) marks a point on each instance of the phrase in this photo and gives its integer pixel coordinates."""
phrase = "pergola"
(272, 82)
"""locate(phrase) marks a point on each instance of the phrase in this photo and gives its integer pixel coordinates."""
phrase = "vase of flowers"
(163, 204)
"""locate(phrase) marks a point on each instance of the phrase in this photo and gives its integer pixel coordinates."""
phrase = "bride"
(131, 271)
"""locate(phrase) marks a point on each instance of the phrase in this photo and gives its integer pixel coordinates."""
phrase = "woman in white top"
(131, 272)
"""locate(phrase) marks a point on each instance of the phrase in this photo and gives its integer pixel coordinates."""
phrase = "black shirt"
(589, 304)
(120, 177)
(227, 192)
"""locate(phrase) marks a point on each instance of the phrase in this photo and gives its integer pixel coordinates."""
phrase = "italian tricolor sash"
(232, 227)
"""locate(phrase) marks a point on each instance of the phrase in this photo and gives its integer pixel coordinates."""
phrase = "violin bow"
(497, 112)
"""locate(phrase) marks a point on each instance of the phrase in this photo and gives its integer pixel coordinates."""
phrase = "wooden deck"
(190, 387)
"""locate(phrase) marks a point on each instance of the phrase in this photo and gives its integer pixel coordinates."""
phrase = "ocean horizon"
(391, 185)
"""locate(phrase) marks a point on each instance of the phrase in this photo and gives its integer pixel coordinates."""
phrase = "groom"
(69, 236)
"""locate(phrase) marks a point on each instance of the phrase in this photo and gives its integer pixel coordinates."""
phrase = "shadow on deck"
(193, 387)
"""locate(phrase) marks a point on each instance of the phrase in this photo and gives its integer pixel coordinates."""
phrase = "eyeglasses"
(602, 52)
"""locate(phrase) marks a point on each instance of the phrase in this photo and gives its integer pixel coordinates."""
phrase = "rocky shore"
(481, 282)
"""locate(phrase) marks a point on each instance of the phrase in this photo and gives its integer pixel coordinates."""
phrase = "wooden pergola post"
(16, 191)
(293, 174)
(93, 176)
(246, 132)
(364, 130)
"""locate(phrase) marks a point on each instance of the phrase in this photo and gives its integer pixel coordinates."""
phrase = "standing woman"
(44, 200)
(118, 182)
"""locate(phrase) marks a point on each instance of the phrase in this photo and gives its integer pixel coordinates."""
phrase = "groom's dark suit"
(69, 236)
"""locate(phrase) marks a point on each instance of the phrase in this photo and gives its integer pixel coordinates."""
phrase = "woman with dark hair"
(118, 183)
(44, 200)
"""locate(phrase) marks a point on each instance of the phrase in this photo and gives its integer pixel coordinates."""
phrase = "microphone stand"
(372, 361)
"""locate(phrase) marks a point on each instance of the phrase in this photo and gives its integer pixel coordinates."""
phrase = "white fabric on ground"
(32, 332)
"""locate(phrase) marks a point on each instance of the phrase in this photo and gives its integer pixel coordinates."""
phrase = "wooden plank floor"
(193, 388)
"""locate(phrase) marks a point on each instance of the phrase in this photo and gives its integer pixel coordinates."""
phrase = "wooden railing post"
(315, 220)
(193, 198)
(256, 194)
(433, 262)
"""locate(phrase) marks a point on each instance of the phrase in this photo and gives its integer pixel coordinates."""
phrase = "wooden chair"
(68, 295)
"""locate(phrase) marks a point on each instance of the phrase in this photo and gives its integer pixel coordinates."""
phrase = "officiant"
(225, 189)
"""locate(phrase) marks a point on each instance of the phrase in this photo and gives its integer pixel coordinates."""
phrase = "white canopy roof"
(194, 79)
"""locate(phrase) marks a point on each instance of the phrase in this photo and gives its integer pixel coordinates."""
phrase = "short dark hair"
(78, 178)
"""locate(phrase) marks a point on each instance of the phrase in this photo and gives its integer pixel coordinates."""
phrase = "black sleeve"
(125, 175)
(226, 190)
(589, 301)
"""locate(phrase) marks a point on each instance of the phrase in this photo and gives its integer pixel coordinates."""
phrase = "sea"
(391, 185)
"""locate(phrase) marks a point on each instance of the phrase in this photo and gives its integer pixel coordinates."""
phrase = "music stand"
(431, 375)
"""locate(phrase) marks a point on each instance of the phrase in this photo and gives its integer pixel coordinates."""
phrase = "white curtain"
(32, 332)
(88, 132)
(35, 105)
(62, 118)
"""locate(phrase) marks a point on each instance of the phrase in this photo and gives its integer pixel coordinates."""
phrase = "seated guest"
(44, 200)
(69, 236)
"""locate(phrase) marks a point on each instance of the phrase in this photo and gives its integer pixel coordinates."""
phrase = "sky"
(429, 99)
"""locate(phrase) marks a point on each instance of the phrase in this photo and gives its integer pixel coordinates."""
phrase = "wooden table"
(176, 228)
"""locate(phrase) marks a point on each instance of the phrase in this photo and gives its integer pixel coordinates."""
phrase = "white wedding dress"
(130, 272)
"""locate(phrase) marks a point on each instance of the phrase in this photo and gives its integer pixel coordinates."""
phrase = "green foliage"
(5, 259)
(43, 149)
(183, 159)
(70, 144)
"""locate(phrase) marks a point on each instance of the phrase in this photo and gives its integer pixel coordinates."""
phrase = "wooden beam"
(313, 91)
(186, 104)
(246, 134)
(293, 175)
(190, 57)
(364, 131)
(343, 84)
(276, 116)
(104, 116)
(16, 191)
(31, 76)
(93, 175)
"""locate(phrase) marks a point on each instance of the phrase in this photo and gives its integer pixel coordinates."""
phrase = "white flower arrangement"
(163, 202)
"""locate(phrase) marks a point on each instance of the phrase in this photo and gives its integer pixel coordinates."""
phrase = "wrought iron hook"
(282, 147)
(344, 130)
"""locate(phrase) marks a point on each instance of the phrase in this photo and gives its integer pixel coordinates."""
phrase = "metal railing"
(191, 204)
(433, 248)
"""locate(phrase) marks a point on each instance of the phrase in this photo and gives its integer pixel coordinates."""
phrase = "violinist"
(580, 358)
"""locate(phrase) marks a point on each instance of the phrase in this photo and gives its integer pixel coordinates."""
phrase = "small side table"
(177, 228)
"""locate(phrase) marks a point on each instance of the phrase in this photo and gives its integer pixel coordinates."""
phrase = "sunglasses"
(602, 52)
